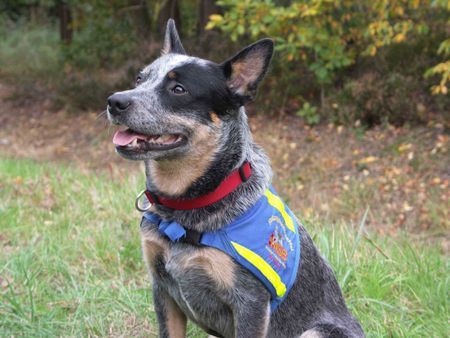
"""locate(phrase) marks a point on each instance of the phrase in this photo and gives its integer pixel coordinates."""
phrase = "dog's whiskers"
(102, 114)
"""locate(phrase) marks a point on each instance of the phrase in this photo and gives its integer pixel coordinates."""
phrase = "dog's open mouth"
(131, 141)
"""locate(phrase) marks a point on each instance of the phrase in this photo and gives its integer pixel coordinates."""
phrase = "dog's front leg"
(171, 320)
(252, 319)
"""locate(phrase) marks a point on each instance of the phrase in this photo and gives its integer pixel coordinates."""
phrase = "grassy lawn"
(70, 262)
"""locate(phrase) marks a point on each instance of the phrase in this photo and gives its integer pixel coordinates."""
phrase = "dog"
(186, 120)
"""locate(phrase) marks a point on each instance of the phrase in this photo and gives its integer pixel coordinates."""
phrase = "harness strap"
(193, 237)
(174, 231)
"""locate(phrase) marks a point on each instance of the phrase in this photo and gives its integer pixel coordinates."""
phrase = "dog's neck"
(175, 178)
(237, 147)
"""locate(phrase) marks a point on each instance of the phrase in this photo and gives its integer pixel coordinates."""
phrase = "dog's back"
(315, 305)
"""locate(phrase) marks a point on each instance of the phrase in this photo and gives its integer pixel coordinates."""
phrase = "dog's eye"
(138, 79)
(178, 90)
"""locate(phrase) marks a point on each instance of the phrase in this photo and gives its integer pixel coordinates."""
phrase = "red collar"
(228, 185)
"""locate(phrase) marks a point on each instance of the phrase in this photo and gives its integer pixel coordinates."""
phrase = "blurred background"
(354, 113)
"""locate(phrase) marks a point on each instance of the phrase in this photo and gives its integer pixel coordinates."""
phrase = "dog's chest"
(197, 278)
(179, 260)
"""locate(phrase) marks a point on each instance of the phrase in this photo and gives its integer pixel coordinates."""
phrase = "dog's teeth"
(164, 138)
(134, 143)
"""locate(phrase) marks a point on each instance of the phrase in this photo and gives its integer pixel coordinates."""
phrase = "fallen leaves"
(404, 147)
(368, 159)
(406, 207)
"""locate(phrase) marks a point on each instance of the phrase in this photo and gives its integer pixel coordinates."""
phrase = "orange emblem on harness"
(277, 247)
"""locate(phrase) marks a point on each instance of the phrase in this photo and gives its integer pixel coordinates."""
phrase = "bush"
(389, 87)
(342, 53)
(30, 57)
(105, 37)
(375, 98)
(81, 91)
(332, 39)
(309, 113)
(40, 67)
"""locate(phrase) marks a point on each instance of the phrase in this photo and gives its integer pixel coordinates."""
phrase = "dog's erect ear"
(172, 42)
(247, 68)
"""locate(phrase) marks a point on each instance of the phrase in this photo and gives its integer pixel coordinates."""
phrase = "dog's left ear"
(172, 42)
(247, 68)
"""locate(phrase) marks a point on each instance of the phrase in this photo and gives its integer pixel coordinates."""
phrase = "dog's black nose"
(118, 103)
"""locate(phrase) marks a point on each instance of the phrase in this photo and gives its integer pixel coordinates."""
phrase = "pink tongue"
(123, 138)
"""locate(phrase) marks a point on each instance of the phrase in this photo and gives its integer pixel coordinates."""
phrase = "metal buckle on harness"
(138, 205)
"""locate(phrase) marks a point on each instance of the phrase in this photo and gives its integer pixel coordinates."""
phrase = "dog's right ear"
(172, 42)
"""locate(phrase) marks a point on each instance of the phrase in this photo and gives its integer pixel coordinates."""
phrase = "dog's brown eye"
(178, 89)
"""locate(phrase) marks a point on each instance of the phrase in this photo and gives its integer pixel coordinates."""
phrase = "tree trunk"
(65, 22)
(169, 9)
(138, 10)
(205, 9)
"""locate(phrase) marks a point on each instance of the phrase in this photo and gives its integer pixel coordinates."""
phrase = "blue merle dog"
(186, 120)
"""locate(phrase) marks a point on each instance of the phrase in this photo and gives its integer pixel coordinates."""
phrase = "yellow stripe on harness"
(278, 204)
(265, 268)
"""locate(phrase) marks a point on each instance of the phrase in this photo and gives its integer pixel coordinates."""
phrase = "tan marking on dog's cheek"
(215, 119)
(216, 264)
(152, 246)
(176, 319)
(174, 177)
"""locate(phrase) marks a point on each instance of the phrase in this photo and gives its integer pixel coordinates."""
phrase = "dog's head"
(181, 101)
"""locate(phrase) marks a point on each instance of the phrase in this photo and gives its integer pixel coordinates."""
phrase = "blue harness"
(265, 240)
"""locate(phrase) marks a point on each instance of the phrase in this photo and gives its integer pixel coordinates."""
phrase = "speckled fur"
(235, 305)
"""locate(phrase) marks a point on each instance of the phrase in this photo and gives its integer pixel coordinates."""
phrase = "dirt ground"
(333, 173)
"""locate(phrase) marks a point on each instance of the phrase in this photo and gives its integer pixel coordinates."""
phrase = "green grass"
(70, 262)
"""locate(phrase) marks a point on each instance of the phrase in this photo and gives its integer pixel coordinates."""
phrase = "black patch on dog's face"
(206, 90)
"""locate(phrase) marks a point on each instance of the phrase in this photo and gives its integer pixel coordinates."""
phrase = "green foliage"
(442, 69)
(104, 35)
(29, 53)
(17, 10)
(309, 32)
(71, 262)
(329, 36)
(309, 113)
(79, 75)
(188, 18)
(323, 47)
(36, 63)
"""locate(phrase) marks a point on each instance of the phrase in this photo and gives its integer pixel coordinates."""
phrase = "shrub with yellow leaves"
(330, 35)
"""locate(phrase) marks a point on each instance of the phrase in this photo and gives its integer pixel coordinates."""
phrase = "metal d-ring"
(138, 205)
